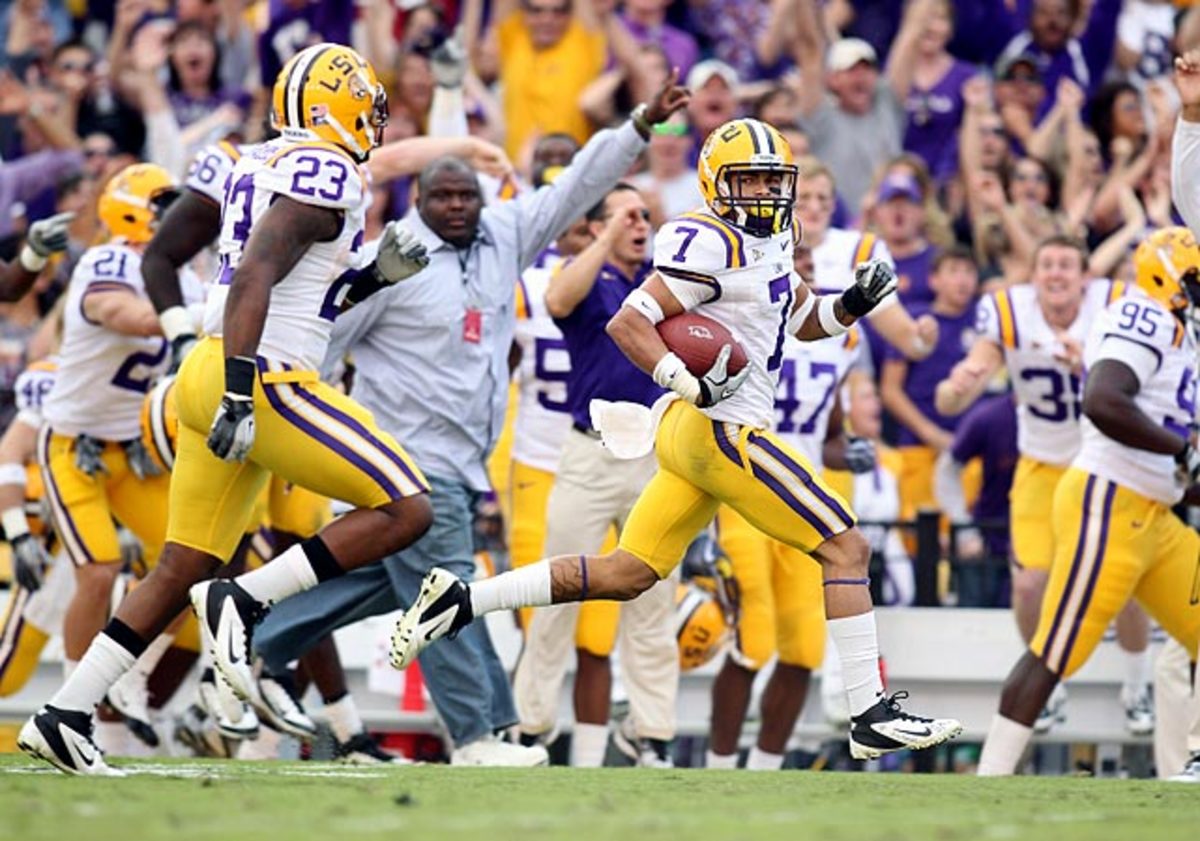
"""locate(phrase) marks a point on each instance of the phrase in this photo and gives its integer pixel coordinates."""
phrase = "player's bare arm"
(1108, 402)
(633, 327)
(969, 378)
(820, 316)
(122, 312)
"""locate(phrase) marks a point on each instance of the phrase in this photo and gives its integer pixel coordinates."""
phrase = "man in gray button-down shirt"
(432, 365)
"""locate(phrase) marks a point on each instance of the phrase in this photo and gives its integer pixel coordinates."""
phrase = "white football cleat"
(64, 739)
(1190, 772)
(1055, 711)
(227, 615)
(1139, 711)
(216, 697)
(885, 728)
(278, 707)
(442, 608)
(491, 752)
(130, 696)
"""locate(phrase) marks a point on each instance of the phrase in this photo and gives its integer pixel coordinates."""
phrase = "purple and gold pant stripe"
(65, 526)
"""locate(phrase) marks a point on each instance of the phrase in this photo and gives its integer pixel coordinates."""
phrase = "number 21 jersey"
(305, 302)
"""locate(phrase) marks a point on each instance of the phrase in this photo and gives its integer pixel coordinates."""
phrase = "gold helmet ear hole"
(1158, 281)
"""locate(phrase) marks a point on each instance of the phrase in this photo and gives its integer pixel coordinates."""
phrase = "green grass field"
(299, 801)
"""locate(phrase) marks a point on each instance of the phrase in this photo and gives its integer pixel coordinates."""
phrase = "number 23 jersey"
(306, 301)
(1142, 335)
(747, 284)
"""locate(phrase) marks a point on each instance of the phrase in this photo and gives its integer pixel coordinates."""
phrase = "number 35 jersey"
(305, 302)
(1142, 335)
(747, 284)
(1048, 394)
(103, 375)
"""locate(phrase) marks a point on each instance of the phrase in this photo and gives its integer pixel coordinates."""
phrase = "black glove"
(231, 435)
(874, 280)
(30, 561)
(859, 454)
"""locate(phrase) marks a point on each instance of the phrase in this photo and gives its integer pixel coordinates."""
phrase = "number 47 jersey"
(305, 302)
(1142, 335)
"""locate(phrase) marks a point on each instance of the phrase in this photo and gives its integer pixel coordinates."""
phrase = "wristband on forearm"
(239, 376)
(670, 372)
(827, 315)
(31, 261)
(14, 522)
(176, 321)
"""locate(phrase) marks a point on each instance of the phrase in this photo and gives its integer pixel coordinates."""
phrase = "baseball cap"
(711, 68)
(848, 52)
(900, 185)
(1005, 66)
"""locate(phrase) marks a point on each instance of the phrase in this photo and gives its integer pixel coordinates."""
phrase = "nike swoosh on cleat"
(88, 757)
(445, 621)
(925, 731)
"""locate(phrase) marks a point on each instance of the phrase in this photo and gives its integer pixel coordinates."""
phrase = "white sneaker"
(491, 752)
(1190, 772)
(1139, 710)
(1055, 711)
(64, 739)
(227, 615)
(130, 696)
(278, 706)
(443, 607)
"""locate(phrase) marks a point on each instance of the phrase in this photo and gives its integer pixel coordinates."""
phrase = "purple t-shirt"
(933, 117)
(956, 333)
(680, 47)
(988, 430)
(290, 30)
(913, 273)
(190, 110)
(598, 367)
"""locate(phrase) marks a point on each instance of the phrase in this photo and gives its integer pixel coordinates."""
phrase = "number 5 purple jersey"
(1048, 393)
(745, 282)
(104, 375)
(301, 312)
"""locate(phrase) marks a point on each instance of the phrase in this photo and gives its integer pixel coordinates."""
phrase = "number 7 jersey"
(1048, 393)
(305, 302)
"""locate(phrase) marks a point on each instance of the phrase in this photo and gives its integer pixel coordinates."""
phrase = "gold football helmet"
(1167, 267)
(700, 626)
(160, 423)
(329, 92)
(749, 147)
(135, 199)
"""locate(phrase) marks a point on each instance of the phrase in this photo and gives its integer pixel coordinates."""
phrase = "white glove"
(401, 255)
(449, 63)
(874, 280)
(718, 384)
(45, 237)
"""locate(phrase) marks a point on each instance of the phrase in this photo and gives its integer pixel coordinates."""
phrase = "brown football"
(697, 339)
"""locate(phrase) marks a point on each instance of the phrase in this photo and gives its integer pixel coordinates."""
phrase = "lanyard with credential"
(473, 316)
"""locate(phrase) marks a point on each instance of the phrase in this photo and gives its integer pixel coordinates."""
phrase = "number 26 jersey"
(306, 301)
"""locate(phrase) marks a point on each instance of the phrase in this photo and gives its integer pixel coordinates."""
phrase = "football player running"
(1115, 535)
(733, 262)
(250, 403)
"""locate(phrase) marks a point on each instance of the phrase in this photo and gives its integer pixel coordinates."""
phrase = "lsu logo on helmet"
(160, 423)
(748, 176)
(1167, 268)
(700, 626)
(329, 92)
(135, 199)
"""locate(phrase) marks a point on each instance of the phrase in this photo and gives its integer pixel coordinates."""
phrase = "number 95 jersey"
(1141, 334)
(302, 306)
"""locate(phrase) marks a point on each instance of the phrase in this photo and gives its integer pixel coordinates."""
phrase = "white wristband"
(176, 321)
(14, 522)
(31, 261)
(643, 303)
(13, 474)
(670, 372)
(827, 318)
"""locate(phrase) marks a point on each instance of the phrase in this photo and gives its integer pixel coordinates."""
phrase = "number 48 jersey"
(747, 284)
(305, 302)
(1141, 334)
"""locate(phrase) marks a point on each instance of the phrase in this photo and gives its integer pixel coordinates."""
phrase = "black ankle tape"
(126, 637)
(321, 559)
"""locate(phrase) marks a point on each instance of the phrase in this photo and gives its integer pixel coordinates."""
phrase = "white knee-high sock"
(857, 646)
(760, 760)
(281, 577)
(102, 665)
(528, 586)
(589, 743)
(1006, 741)
(720, 761)
(343, 718)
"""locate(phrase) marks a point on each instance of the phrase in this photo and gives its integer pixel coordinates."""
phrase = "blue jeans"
(465, 677)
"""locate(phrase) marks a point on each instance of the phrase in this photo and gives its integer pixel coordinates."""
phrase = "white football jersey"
(32, 388)
(808, 390)
(837, 255)
(745, 282)
(306, 301)
(1142, 334)
(543, 416)
(209, 171)
(103, 376)
(1048, 395)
